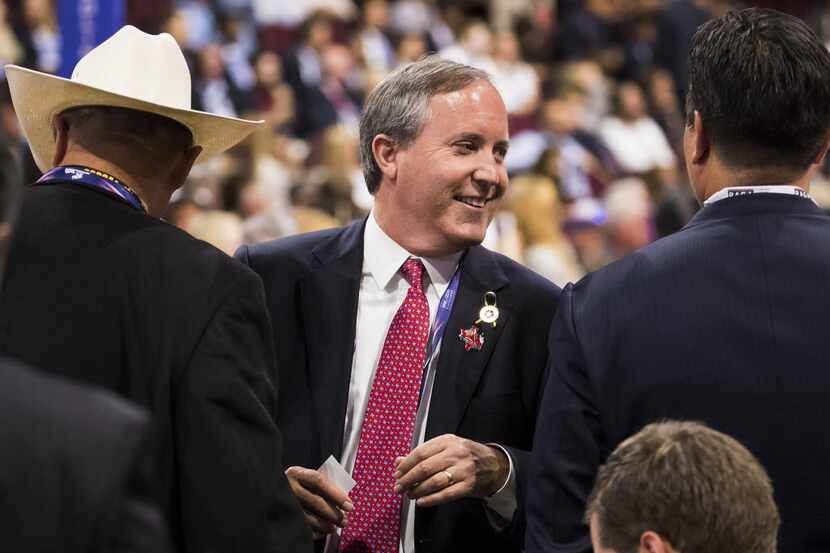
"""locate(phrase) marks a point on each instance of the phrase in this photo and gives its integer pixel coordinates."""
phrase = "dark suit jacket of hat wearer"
(312, 283)
(70, 477)
(724, 322)
(98, 291)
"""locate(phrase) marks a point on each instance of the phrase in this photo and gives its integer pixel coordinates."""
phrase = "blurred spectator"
(677, 23)
(272, 97)
(630, 216)
(410, 47)
(335, 184)
(213, 90)
(375, 48)
(200, 22)
(238, 46)
(42, 25)
(588, 76)
(181, 211)
(539, 215)
(665, 107)
(635, 139)
(587, 30)
(420, 16)
(560, 116)
(516, 81)
(218, 228)
(473, 47)
(11, 51)
(584, 227)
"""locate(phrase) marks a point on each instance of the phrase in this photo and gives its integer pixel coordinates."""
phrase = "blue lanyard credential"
(93, 179)
(442, 316)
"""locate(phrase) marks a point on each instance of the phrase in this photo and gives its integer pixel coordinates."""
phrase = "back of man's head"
(760, 80)
(697, 489)
(138, 138)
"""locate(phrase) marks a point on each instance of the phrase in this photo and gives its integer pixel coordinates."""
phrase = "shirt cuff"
(501, 506)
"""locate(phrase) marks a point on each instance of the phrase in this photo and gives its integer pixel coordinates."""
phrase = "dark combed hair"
(761, 82)
(699, 489)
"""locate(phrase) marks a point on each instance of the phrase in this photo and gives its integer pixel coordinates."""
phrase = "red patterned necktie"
(374, 525)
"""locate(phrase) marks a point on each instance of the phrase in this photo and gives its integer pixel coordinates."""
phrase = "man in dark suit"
(724, 321)
(73, 458)
(456, 417)
(100, 290)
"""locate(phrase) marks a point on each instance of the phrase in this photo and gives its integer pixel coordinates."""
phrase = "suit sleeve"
(566, 450)
(234, 496)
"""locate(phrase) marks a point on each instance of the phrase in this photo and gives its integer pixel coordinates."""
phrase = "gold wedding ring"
(449, 477)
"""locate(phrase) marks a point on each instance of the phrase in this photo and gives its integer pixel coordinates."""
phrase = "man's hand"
(325, 505)
(447, 468)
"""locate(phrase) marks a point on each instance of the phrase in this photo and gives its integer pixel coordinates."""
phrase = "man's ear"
(701, 145)
(61, 133)
(386, 152)
(651, 542)
(183, 166)
(823, 150)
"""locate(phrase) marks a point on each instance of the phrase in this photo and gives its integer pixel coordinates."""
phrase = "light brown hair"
(697, 488)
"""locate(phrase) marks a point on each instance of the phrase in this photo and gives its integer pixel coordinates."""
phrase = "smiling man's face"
(449, 178)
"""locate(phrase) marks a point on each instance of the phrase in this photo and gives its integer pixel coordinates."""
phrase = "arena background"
(594, 89)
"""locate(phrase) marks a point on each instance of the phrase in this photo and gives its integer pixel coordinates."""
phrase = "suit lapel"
(329, 301)
(459, 371)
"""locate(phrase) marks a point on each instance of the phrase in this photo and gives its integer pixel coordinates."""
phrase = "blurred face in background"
(268, 69)
(507, 48)
(211, 63)
(376, 14)
(337, 61)
(632, 103)
(563, 115)
(477, 40)
(411, 47)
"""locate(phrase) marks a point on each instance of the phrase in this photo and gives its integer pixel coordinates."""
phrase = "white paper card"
(335, 472)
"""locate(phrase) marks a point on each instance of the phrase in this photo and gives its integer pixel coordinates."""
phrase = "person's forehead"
(478, 104)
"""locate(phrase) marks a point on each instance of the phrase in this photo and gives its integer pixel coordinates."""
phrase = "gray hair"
(399, 105)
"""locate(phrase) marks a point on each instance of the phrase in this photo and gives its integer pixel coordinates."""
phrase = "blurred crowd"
(594, 89)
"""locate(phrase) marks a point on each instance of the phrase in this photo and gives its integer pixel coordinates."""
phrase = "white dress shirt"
(382, 291)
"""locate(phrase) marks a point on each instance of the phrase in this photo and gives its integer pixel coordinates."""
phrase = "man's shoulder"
(292, 254)
(523, 283)
(60, 407)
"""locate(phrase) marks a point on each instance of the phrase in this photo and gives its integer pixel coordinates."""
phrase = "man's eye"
(469, 146)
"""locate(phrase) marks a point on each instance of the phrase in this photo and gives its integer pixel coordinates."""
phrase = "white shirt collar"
(383, 257)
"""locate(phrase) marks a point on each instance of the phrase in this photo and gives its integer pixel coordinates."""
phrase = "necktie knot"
(413, 270)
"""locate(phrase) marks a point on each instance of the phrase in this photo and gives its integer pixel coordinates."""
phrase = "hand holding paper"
(323, 495)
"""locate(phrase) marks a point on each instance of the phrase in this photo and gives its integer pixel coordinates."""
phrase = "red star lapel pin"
(472, 338)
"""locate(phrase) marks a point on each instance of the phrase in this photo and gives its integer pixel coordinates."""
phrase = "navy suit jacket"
(724, 322)
(311, 285)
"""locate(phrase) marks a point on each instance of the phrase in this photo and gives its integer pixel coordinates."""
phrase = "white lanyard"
(736, 191)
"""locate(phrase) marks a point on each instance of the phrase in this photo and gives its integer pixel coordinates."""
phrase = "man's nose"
(488, 175)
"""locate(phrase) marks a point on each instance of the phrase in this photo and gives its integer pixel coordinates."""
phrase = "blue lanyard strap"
(93, 179)
(441, 318)
(443, 314)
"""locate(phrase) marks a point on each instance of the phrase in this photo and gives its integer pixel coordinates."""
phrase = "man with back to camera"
(680, 487)
(100, 290)
(74, 457)
(724, 321)
(443, 417)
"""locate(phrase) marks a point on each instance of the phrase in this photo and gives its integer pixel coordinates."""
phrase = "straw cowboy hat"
(131, 69)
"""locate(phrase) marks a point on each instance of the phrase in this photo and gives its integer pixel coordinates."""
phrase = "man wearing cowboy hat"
(99, 289)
